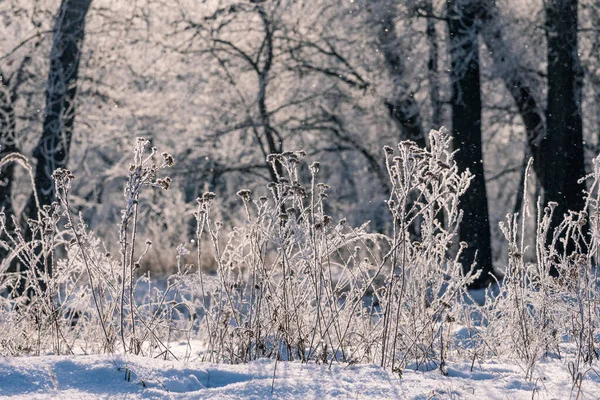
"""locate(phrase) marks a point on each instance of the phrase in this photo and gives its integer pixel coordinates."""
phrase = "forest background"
(222, 84)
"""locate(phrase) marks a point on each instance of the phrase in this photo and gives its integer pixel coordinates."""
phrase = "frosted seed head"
(164, 184)
(244, 194)
(168, 159)
(293, 159)
(314, 167)
(299, 189)
(208, 196)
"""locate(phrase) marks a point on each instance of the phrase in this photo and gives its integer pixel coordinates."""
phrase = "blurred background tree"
(223, 83)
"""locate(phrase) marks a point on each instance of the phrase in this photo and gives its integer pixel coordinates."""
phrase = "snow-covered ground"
(86, 377)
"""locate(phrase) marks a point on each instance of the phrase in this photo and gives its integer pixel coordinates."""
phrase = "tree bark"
(466, 129)
(432, 67)
(9, 88)
(52, 150)
(7, 146)
(402, 106)
(506, 67)
(563, 145)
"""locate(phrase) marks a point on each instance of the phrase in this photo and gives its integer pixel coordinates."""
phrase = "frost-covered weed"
(68, 294)
(292, 283)
(424, 281)
(548, 307)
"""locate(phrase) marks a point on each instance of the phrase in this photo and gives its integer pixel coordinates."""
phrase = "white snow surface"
(92, 377)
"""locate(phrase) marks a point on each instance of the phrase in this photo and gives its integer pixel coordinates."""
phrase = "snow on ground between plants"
(82, 377)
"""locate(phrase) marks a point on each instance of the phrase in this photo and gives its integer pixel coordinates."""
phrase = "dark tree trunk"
(432, 67)
(7, 145)
(9, 88)
(272, 136)
(563, 144)
(402, 106)
(466, 129)
(52, 151)
(506, 67)
(594, 75)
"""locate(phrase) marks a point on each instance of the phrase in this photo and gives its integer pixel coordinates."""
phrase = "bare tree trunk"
(9, 88)
(594, 73)
(272, 136)
(466, 129)
(52, 150)
(432, 68)
(7, 145)
(506, 67)
(402, 105)
(563, 144)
